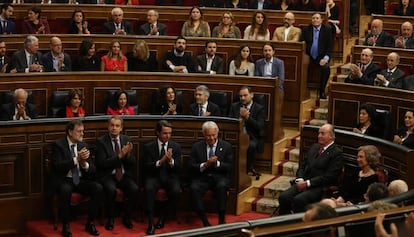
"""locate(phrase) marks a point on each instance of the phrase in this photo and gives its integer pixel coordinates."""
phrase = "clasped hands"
(21, 112)
(82, 156)
(126, 149)
(244, 113)
(355, 70)
(301, 184)
(167, 158)
(211, 162)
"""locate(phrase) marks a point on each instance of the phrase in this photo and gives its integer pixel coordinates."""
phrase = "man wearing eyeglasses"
(288, 32)
(118, 26)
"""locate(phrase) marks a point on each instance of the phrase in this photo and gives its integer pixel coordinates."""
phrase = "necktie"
(389, 74)
(374, 38)
(30, 60)
(200, 110)
(363, 68)
(210, 151)
(1, 63)
(163, 168)
(75, 171)
(314, 49)
(118, 171)
(4, 26)
(320, 151)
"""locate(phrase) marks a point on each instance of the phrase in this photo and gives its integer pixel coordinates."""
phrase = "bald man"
(392, 76)
(56, 60)
(19, 109)
(397, 187)
(405, 40)
(153, 27)
(365, 71)
(378, 37)
(288, 32)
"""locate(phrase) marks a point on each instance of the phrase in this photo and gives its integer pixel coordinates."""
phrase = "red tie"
(118, 171)
(320, 151)
(363, 68)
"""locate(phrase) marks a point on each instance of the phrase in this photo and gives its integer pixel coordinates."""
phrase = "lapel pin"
(221, 149)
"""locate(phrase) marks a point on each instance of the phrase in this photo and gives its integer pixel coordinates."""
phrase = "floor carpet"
(44, 228)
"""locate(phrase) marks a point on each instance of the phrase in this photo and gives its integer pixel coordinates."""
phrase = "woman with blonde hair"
(195, 26)
(227, 28)
(258, 29)
(114, 60)
(141, 58)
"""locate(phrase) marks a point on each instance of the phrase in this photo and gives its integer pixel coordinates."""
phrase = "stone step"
(323, 103)
(289, 154)
(295, 141)
(262, 204)
(318, 122)
(321, 113)
(345, 69)
(273, 187)
(287, 168)
(341, 77)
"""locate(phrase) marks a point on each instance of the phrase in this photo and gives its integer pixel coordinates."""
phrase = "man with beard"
(7, 26)
(4, 60)
(178, 60)
(287, 32)
(270, 66)
(210, 63)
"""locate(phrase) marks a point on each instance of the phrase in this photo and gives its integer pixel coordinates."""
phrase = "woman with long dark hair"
(87, 59)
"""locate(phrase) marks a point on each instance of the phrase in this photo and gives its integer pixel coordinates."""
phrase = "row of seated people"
(114, 166)
(249, 107)
(194, 27)
(297, 5)
(141, 59)
(391, 75)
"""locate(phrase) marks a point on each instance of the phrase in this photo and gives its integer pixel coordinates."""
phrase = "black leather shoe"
(66, 231)
(151, 229)
(160, 223)
(90, 228)
(127, 222)
(110, 224)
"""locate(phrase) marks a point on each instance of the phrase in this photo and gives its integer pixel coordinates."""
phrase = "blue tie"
(211, 151)
(75, 171)
(314, 49)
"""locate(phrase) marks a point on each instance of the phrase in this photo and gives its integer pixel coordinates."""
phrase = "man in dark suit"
(4, 60)
(162, 163)
(178, 60)
(117, 26)
(153, 27)
(366, 70)
(378, 37)
(19, 109)
(203, 107)
(209, 62)
(320, 168)
(116, 164)
(27, 59)
(211, 162)
(405, 39)
(260, 4)
(270, 66)
(56, 60)
(7, 26)
(73, 171)
(318, 39)
(253, 116)
(392, 76)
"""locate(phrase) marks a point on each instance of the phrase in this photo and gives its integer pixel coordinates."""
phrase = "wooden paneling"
(22, 168)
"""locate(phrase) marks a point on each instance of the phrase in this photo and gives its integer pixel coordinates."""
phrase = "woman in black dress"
(404, 135)
(366, 125)
(404, 8)
(79, 25)
(141, 58)
(166, 102)
(87, 59)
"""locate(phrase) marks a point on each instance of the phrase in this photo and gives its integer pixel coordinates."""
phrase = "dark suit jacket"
(217, 65)
(105, 158)
(395, 79)
(6, 61)
(323, 170)
(324, 41)
(409, 141)
(368, 76)
(7, 111)
(10, 29)
(152, 155)
(211, 107)
(254, 124)
(224, 154)
(267, 4)
(384, 39)
(62, 162)
(185, 60)
(278, 69)
(399, 11)
(47, 60)
(19, 61)
(109, 27)
(145, 29)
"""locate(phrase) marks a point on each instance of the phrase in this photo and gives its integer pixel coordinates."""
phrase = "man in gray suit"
(210, 63)
(27, 59)
(392, 76)
(270, 66)
(153, 27)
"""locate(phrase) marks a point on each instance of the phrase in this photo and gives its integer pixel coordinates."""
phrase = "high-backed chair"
(383, 120)
(220, 98)
(7, 97)
(132, 98)
(57, 103)
(408, 83)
